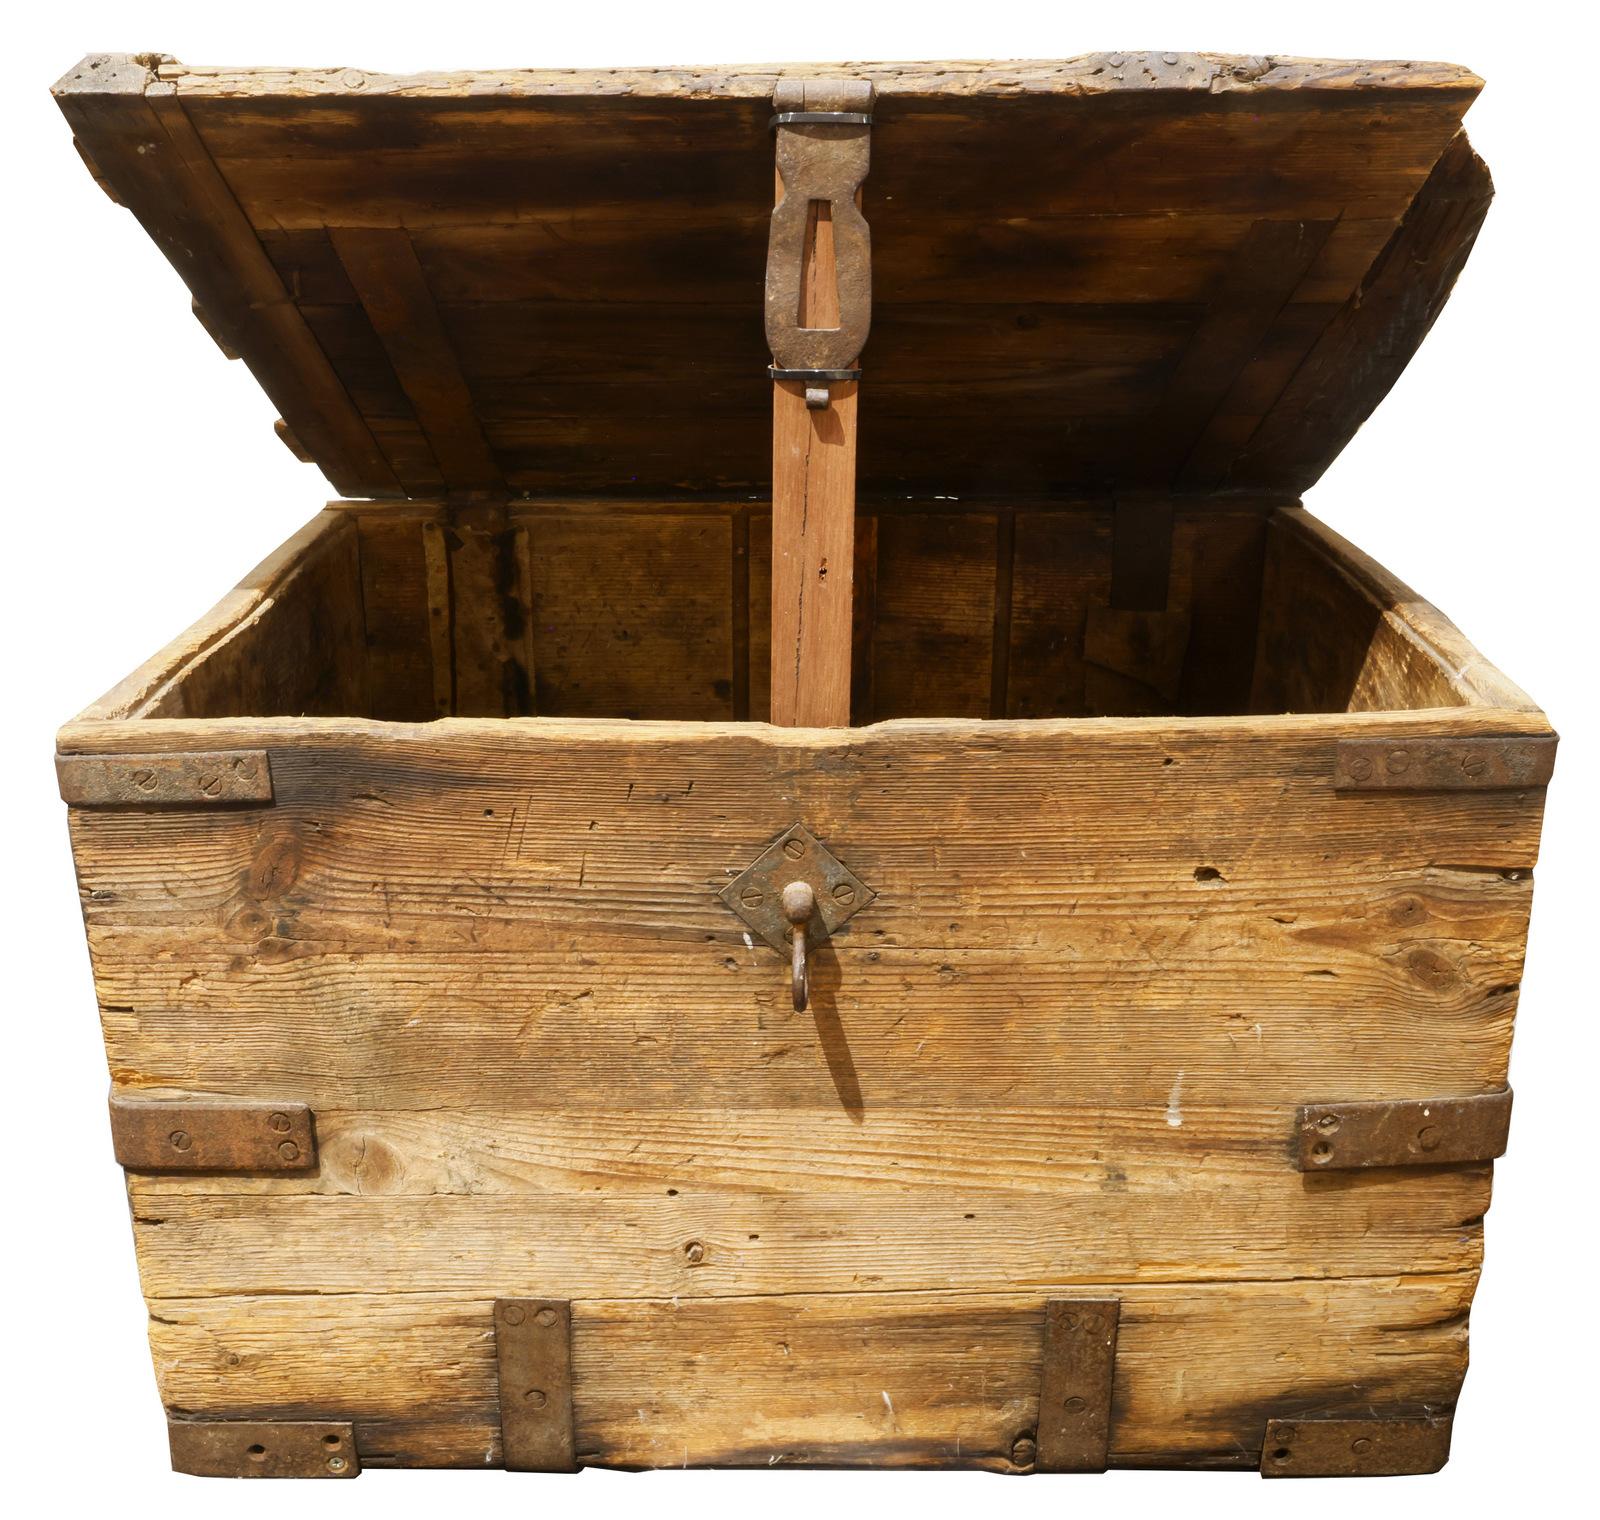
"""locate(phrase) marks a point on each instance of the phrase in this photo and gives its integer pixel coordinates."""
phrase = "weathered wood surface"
(848, 1379)
(661, 611)
(622, 1204)
(1384, 647)
(552, 885)
(1091, 74)
(1200, 251)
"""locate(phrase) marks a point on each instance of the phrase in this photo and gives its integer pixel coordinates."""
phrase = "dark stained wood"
(142, 140)
(1173, 241)
(384, 272)
(1371, 340)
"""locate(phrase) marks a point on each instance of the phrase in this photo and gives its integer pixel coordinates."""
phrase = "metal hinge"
(264, 1448)
(201, 778)
(533, 1351)
(153, 1135)
(1368, 1446)
(1337, 1137)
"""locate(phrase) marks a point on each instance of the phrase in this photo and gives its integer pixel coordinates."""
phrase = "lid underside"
(1110, 274)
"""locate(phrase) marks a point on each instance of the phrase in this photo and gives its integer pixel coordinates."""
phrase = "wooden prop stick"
(818, 310)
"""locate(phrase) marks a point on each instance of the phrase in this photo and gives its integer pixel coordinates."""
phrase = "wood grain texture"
(1201, 253)
(626, 1203)
(813, 554)
(855, 1379)
(557, 894)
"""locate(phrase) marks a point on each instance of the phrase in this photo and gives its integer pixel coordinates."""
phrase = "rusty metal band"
(1340, 1137)
(533, 1350)
(1372, 1446)
(1080, 1358)
(808, 375)
(152, 1135)
(264, 1448)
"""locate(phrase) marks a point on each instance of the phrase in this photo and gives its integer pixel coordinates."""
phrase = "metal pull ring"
(799, 903)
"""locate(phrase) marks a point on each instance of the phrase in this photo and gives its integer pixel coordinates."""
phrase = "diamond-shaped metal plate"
(796, 855)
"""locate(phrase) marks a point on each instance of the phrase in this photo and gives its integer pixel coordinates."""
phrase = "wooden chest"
(780, 897)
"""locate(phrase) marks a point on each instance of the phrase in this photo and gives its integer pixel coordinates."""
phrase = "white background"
(144, 479)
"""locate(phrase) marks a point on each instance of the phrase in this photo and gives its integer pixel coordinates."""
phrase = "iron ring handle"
(799, 903)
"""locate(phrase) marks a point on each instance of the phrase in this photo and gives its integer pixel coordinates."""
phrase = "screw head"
(1361, 1445)
(1074, 1404)
(513, 1314)
(289, 1151)
(545, 1317)
(1328, 1123)
(1023, 1451)
(278, 1123)
(794, 848)
(180, 1140)
(751, 898)
(844, 893)
(337, 1464)
(1397, 762)
(1361, 768)
(537, 1398)
(694, 1253)
(1428, 1138)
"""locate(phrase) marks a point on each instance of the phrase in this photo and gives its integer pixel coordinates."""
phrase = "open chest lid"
(1111, 273)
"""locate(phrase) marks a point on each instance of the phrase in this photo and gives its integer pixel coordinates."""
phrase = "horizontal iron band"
(819, 118)
(812, 374)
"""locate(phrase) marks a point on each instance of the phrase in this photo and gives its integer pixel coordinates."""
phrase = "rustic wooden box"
(1143, 1110)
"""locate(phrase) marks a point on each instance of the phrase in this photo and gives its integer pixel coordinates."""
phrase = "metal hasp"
(1443, 765)
(1340, 1137)
(1080, 1358)
(796, 855)
(199, 779)
(264, 1448)
(533, 1350)
(1364, 1447)
(149, 1135)
(823, 130)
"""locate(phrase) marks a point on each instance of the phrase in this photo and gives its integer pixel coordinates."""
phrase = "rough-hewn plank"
(836, 1380)
(553, 886)
(715, 1204)
(144, 144)
(633, 616)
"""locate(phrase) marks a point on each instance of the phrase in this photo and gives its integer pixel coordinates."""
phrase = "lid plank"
(1090, 275)
(139, 137)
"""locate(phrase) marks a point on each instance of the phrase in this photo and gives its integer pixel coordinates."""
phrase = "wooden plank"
(813, 555)
(1367, 346)
(296, 645)
(1339, 632)
(144, 143)
(732, 1225)
(813, 515)
(394, 605)
(1121, 75)
(632, 616)
(383, 268)
(933, 637)
(1271, 262)
(852, 1379)
(586, 859)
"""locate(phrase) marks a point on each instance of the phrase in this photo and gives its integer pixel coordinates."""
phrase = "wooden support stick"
(813, 521)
